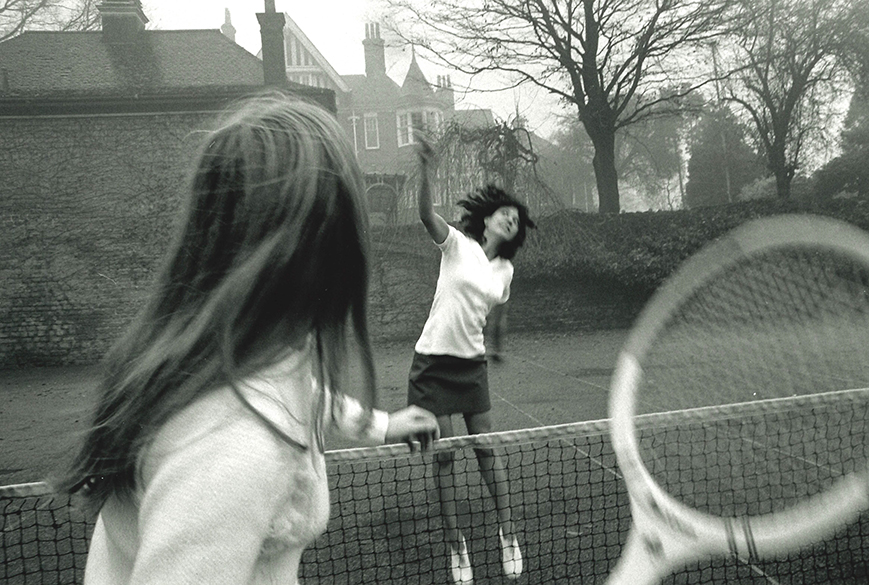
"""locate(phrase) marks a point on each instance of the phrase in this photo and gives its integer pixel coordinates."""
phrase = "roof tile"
(47, 63)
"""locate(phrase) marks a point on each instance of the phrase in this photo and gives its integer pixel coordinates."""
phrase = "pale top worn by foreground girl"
(222, 498)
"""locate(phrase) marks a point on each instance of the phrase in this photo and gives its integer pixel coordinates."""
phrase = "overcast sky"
(337, 28)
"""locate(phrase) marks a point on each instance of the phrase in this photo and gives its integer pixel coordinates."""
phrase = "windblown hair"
(484, 202)
(272, 253)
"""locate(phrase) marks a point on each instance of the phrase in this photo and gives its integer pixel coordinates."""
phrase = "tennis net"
(568, 502)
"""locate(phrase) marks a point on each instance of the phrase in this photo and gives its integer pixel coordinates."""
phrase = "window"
(405, 135)
(408, 121)
(372, 132)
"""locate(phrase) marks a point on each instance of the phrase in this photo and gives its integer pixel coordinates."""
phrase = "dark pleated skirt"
(445, 384)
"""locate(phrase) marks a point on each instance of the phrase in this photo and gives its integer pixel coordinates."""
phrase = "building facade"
(380, 115)
(96, 131)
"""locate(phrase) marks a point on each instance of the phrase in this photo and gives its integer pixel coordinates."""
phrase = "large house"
(96, 129)
(379, 114)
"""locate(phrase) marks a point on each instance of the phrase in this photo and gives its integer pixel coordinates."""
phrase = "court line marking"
(563, 374)
(601, 464)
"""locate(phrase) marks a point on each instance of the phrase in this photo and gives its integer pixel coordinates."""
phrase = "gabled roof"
(38, 64)
(314, 52)
(361, 82)
(50, 73)
(372, 93)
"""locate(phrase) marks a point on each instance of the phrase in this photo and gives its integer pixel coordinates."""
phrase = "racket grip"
(815, 520)
(642, 562)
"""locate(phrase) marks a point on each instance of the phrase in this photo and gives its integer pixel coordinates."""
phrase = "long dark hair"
(271, 255)
(484, 202)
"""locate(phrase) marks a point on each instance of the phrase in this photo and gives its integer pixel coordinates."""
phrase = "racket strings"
(786, 323)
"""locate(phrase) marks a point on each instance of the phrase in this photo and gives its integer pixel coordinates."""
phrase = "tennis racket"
(761, 342)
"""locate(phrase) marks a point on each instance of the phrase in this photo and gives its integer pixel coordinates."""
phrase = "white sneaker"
(511, 556)
(460, 564)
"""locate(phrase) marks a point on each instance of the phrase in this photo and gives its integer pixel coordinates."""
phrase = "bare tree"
(787, 58)
(603, 57)
(16, 16)
(75, 15)
(470, 157)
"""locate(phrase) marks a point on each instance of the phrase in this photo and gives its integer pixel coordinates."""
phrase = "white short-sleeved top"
(223, 500)
(469, 285)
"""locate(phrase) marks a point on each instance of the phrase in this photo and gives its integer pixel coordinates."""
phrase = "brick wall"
(86, 205)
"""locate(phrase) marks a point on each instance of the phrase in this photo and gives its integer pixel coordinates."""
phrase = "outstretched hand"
(424, 149)
(413, 424)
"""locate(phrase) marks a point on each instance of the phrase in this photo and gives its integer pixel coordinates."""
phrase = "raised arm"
(435, 225)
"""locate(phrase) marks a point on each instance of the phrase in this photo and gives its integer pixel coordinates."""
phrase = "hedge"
(639, 250)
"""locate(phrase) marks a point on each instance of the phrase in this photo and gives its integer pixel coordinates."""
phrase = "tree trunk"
(780, 169)
(605, 174)
(783, 183)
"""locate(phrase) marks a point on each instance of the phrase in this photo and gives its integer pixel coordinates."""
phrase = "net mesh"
(43, 540)
(568, 502)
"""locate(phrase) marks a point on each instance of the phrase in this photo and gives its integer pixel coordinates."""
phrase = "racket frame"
(666, 534)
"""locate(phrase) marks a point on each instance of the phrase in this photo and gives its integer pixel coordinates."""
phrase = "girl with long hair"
(204, 459)
(448, 374)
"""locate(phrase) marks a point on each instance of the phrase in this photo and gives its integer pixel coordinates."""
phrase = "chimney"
(445, 91)
(272, 31)
(227, 29)
(375, 51)
(122, 20)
